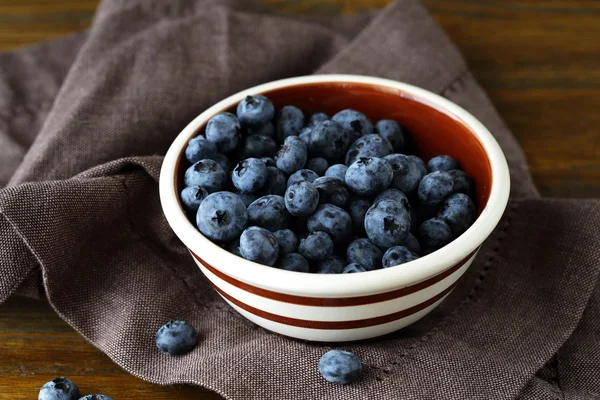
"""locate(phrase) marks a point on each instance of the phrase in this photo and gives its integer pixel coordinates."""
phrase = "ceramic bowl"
(349, 307)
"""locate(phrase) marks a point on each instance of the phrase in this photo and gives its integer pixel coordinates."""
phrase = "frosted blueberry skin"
(59, 389)
(397, 255)
(371, 145)
(341, 367)
(268, 212)
(176, 338)
(255, 111)
(387, 223)
(222, 217)
(224, 130)
(259, 245)
(206, 174)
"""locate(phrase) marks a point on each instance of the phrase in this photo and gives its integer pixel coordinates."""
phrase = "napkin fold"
(85, 119)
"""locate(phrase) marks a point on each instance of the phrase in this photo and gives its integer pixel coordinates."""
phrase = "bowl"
(350, 307)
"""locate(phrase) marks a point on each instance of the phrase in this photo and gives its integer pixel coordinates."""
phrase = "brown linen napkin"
(84, 120)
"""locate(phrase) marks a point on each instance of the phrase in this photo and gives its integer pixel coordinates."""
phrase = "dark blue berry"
(207, 174)
(337, 171)
(305, 137)
(387, 223)
(318, 164)
(316, 246)
(434, 234)
(442, 163)
(459, 212)
(393, 132)
(257, 146)
(329, 139)
(269, 161)
(338, 366)
(316, 118)
(407, 173)
(301, 176)
(255, 111)
(412, 244)
(331, 265)
(276, 182)
(393, 194)
(421, 164)
(199, 148)
(290, 121)
(293, 262)
(332, 220)
(369, 176)
(332, 191)
(224, 131)
(292, 155)
(96, 397)
(462, 182)
(434, 188)
(249, 175)
(353, 268)
(176, 338)
(265, 130)
(247, 198)
(355, 122)
(287, 240)
(233, 247)
(268, 212)
(222, 216)
(398, 255)
(301, 199)
(259, 245)
(59, 389)
(358, 209)
(364, 252)
(192, 196)
(371, 145)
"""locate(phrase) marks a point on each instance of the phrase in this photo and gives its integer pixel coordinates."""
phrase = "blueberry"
(247, 198)
(332, 191)
(393, 194)
(364, 252)
(358, 209)
(459, 212)
(265, 130)
(276, 182)
(292, 155)
(407, 173)
(233, 247)
(222, 216)
(330, 140)
(316, 246)
(222, 160)
(305, 136)
(258, 146)
(337, 171)
(331, 265)
(287, 240)
(393, 132)
(293, 262)
(371, 145)
(96, 397)
(462, 182)
(301, 199)
(224, 131)
(259, 245)
(387, 223)
(442, 163)
(412, 244)
(176, 338)
(255, 111)
(192, 196)
(435, 187)
(355, 122)
(249, 175)
(434, 234)
(338, 366)
(199, 148)
(268, 212)
(397, 255)
(369, 176)
(318, 164)
(269, 161)
(421, 164)
(316, 118)
(59, 389)
(301, 176)
(290, 121)
(207, 174)
(332, 220)
(353, 268)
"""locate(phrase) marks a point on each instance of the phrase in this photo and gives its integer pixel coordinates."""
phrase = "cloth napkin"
(85, 120)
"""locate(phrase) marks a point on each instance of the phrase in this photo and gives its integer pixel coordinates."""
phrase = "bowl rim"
(338, 285)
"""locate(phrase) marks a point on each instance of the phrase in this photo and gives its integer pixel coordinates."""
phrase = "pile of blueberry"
(328, 195)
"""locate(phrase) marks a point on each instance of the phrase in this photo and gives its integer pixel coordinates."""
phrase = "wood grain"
(538, 61)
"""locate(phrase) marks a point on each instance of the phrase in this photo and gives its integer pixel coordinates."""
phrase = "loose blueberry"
(292, 155)
(222, 160)
(412, 244)
(276, 182)
(393, 194)
(269, 161)
(387, 223)
(316, 246)
(255, 111)
(259, 245)
(435, 187)
(407, 173)
(358, 209)
(257, 146)
(369, 176)
(301, 176)
(353, 268)
(224, 131)
(318, 164)
(206, 174)
(337, 171)
(199, 148)
(462, 182)
(332, 191)
(59, 389)
(355, 122)
(397, 255)
(329, 139)
(368, 146)
(192, 196)
(301, 199)
(290, 121)
(316, 118)
(222, 216)
(364, 252)
(176, 338)
(265, 130)
(287, 240)
(421, 164)
(442, 163)
(249, 175)
(293, 262)
(331, 265)
(268, 212)
(338, 366)
(96, 397)
(393, 132)
(459, 212)
(332, 220)
(434, 234)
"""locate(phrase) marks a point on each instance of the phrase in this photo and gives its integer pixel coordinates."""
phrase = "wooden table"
(539, 62)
